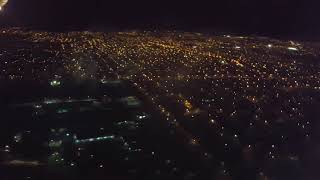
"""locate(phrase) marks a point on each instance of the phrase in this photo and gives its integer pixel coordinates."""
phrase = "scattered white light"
(269, 45)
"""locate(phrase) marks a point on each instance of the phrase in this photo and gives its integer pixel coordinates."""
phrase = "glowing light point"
(55, 83)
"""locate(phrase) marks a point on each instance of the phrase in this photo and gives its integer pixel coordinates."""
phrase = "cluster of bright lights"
(191, 79)
(55, 83)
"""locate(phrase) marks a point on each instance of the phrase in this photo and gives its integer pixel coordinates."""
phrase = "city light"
(3, 3)
(217, 92)
(103, 138)
(55, 83)
(293, 48)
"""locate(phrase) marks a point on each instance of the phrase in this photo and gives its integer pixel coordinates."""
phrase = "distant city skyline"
(276, 18)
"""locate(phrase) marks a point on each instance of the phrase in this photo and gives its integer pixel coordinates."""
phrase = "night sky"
(278, 18)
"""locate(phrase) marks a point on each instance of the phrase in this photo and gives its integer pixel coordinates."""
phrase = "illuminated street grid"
(247, 100)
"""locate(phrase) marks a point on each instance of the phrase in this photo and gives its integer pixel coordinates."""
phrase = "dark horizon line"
(150, 28)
